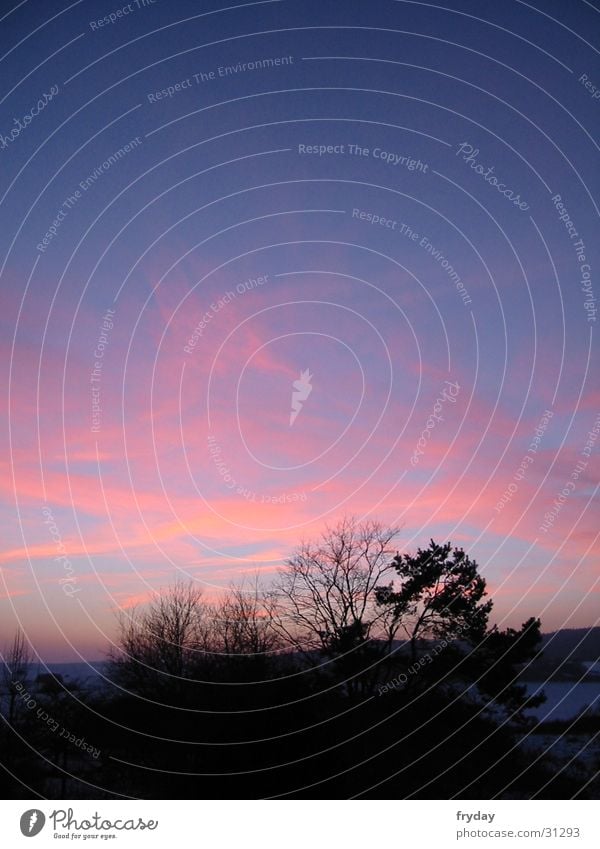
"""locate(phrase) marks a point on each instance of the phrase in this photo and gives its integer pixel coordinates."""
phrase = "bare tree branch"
(327, 588)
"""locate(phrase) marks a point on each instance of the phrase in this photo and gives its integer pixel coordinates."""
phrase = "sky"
(267, 264)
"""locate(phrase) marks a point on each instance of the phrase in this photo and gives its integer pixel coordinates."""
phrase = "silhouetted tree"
(159, 645)
(243, 622)
(179, 638)
(498, 661)
(302, 657)
(326, 593)
(16, 660)
(440, 596)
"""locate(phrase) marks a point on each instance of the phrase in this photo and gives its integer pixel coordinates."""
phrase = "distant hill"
(583, 644)
(89, 675)
(567, 655)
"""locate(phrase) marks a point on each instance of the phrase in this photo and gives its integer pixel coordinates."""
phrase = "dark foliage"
(211, 702)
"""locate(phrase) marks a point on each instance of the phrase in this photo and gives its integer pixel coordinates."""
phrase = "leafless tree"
(179, 637)
(326, 593)
(16, 659)
(163, 641)
(243, 621)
